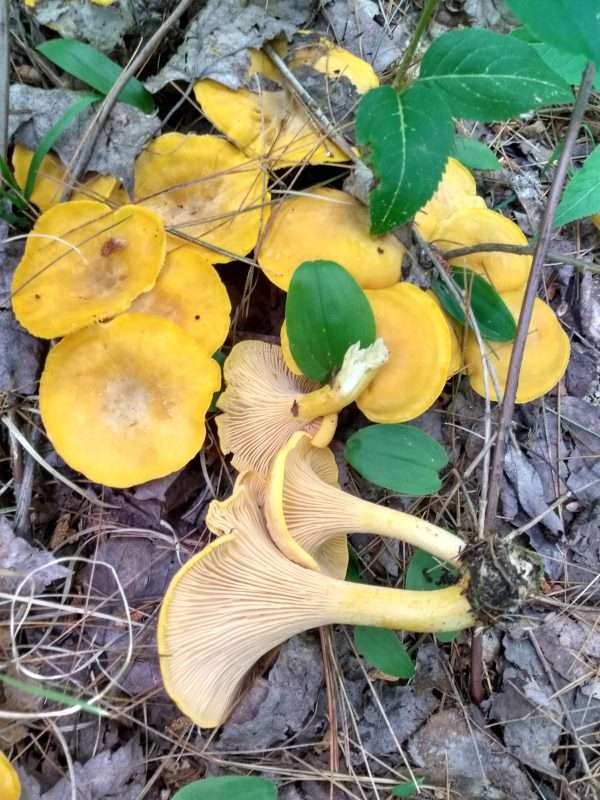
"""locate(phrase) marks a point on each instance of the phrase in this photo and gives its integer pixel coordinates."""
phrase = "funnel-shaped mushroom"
(84, 263)
(308, 513)
(418, 338)
(125, 402)
(457, 190)
(190, 292)
(264, 119)
(204, 187)
(264, 403)
(10, 784)
(241, 596)
(328, 225)
(470, 226)
(545, 359)
(49, 182)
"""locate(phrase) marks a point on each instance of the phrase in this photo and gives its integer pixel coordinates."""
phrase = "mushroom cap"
(103, 260)
(222, 515)
(124, 402)
(418, 338)
(545, 359)
(456, 350)
(265, 120)
(292, 491)
(328, 225)
(10, 784)
(258, 407)
(326, 57)
(205, 187)
(50, 180)
(456, 190)
(190, 292)
(470, 226)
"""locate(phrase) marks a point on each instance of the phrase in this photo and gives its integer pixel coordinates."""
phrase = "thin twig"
(520, 250)
(4, 73)
(539, 257)
(78, 168)
(422, 25)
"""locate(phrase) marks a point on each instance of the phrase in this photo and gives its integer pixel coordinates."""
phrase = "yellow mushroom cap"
(545, 359)
(335, 62)
(190, 292)
(50, 180)
(457, 190)
(83, 263)
(222, 516)
(329, 225)
(10, 784)
(206, 188)
(265, 120)
(418, 339)
(124, 402)
(470, 226)
(258, 405)
(456, 354)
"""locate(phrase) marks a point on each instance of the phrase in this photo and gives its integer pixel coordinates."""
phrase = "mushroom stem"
(359, 367)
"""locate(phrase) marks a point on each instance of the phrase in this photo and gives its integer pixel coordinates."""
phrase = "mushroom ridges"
(125, 402)
(329, 225)
(84, 262)
(240, 597)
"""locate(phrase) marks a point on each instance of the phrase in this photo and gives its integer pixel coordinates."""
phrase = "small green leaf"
(424, 574)
(401, 458)
(407, 789)
(574, 27)
(228, 787)
(383, 650)
(493, 316)
(354, 567)
(37, 690)
(97, 70)
(489, 76)
(219, 357)
(48, 140)
(569, 66)
(474, 154)
(326, 312)
(581, 197)
(406, 140)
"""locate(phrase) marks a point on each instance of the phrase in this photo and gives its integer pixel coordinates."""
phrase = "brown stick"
(520, 250)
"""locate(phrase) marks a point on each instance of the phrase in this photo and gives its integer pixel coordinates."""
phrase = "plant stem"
(4, 72)
(520, 250)
(424, 20)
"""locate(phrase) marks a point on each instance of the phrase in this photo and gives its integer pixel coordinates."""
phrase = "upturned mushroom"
(309, 516)
(190, 292)
(83, 263)
(124, 402)
(264, 403)
(10, 784)
(206, 189)
(471, 226)
(329, 225)
(418, 339)
(265, 120)
(545, 360)
(241, 596)
(456, 190)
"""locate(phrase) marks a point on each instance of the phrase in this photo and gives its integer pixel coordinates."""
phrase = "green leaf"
(326, 312)
(407, 789)
(493, 316)
(97, 70)
(354, 567)
(569, 66)
(424, 574)
(51, 694)
(581, 197)
(474, 154)
(229, 787)
(568, 25)
(406, 140)
(401, 458)
(383, 650)
(489, 76)
(48, 140)
(219, 357)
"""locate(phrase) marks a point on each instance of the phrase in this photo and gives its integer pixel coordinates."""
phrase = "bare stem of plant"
(521, 250)
(4, 82)
(428, 11)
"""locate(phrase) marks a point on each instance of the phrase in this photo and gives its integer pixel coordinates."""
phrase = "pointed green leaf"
(568, 25)
(493, 316)
(407, 789)
(581, 197)
(97, 70)
(405, 139)
(383, 650)
(229, 787)
(489, 76)
(326, 312)
(569, 66)
(474, 154)
(401, 458)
